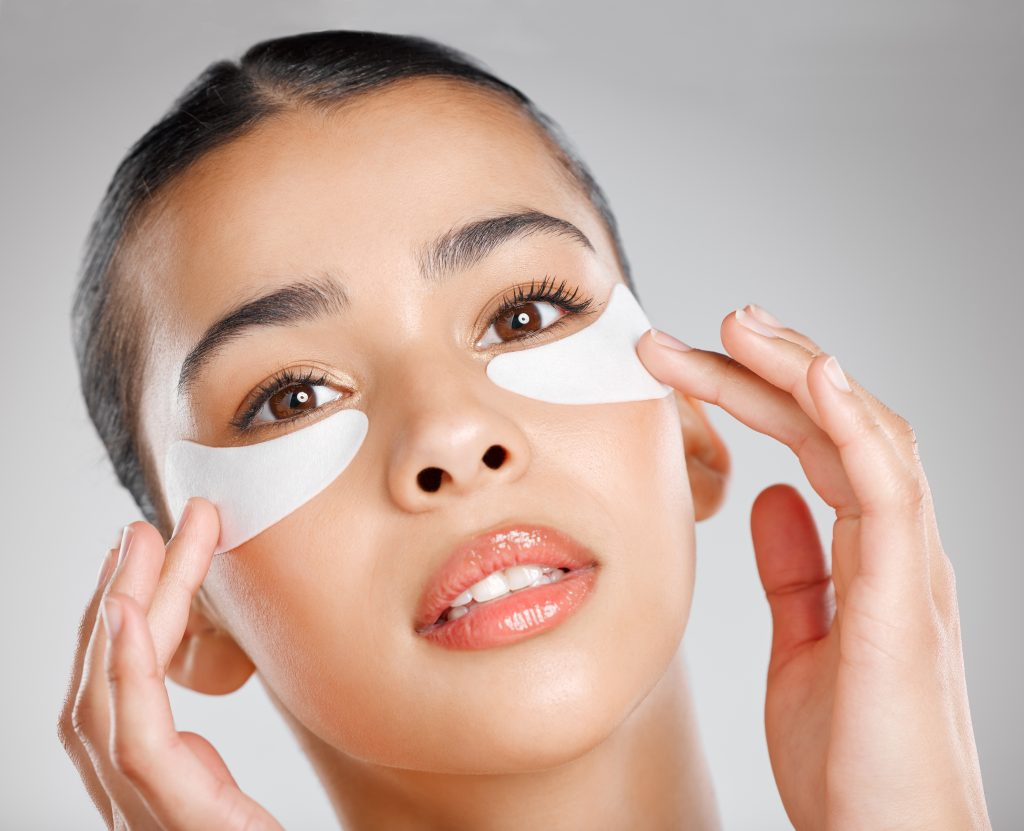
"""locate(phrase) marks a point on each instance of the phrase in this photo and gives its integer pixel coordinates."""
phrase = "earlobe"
(707, 459)
(208, 660)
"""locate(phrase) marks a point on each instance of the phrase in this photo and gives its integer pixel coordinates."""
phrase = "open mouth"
(499, 584)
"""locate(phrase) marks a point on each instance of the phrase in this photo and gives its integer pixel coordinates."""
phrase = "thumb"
(793, 571)
(208, 755)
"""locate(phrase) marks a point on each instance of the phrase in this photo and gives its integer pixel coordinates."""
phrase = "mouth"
(506, 584)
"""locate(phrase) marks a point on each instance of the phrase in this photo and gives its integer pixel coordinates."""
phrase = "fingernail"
(182, 519)
(106, 567)
(764, 316)
(835, 374)
(126, 542)
(745, 318)
(666, 339)
(112, 616)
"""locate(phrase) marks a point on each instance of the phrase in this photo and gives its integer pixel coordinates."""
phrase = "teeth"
(501, 583)
(493, 585)
(519, 577)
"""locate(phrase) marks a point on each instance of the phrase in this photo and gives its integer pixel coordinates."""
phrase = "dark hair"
(228, 99)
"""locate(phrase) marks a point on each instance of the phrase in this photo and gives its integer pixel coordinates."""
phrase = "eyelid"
(266, 405)
(527, 335)
(546, 291)
(244, 420)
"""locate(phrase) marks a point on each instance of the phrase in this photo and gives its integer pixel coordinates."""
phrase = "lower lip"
(517, 615)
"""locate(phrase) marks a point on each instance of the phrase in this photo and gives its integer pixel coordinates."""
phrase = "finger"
(793, 570)
(780, 329)
(885, 477)
(187, 562)
(136, 571)
(137, 568)
(723, 381)
(181, 792)
(782, 356)
(745, 334)
(891, 493)
(208, 755)
(67, 723)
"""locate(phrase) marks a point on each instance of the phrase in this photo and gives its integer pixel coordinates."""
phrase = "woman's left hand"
(866, 715)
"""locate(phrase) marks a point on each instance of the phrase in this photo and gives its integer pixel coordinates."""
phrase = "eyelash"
(545, 291)
(548, 292)
(271, 387)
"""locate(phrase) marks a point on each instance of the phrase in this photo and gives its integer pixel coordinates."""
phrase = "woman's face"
(324, 601)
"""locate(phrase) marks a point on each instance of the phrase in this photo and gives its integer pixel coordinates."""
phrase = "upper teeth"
(502, 582)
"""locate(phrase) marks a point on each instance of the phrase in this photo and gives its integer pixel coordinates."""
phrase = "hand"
(866, 715)
(116, 723)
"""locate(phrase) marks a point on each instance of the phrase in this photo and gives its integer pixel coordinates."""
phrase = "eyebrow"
(309, 299)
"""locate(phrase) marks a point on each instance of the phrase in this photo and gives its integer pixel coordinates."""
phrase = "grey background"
(856, 168)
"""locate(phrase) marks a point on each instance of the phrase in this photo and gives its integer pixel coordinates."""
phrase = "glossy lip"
(508, 545)
(516, 616)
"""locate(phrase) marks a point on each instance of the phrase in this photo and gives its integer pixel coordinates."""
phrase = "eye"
(294, 400)
(289, 395)
(518, 321)
(534, 309)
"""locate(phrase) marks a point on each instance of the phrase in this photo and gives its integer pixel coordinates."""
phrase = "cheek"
(649, 538)
(297, 599)
(334, 642)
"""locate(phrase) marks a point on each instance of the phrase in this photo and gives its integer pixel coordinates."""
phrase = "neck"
(652, 766)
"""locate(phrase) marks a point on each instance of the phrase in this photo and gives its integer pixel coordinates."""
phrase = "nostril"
(495, 456)
(429, 478)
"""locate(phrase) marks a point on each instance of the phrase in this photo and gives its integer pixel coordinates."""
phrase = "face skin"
(322, 603)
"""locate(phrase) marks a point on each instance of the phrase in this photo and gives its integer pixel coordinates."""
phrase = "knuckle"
(66, 731)
(947, 576)
(82, 717)
(734, 375)
(909, 492)
(908, 433)
(127, 756)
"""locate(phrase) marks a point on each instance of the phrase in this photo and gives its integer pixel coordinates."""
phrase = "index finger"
(189, 554)
(725, 382)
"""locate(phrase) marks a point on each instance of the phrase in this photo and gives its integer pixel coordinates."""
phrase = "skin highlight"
(321, 603)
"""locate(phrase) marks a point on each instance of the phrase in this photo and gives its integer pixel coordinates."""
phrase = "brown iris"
(523, 317)
(292, 400)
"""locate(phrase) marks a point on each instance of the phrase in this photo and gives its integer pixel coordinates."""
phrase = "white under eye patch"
(257, 485)
(596, 365)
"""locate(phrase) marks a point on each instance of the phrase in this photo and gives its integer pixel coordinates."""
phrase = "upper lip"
(493, 550)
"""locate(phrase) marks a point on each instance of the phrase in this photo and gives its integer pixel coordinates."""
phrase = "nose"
(451, 441)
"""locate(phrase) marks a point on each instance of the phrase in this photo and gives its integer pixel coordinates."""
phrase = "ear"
(707, 459)
(208, 660)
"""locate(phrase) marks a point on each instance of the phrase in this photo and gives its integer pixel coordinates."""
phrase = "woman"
(472, 620)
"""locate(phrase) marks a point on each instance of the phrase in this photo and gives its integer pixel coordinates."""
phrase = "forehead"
(357, 190)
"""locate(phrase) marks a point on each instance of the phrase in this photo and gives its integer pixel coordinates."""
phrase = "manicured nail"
(836, 375)
(182, 519)
(666, 339)
(745, 318)
(106, 567)
(113, 614)
(764, 316)
(126, 542)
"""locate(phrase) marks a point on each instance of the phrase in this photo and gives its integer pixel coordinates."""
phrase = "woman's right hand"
(116, 723)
